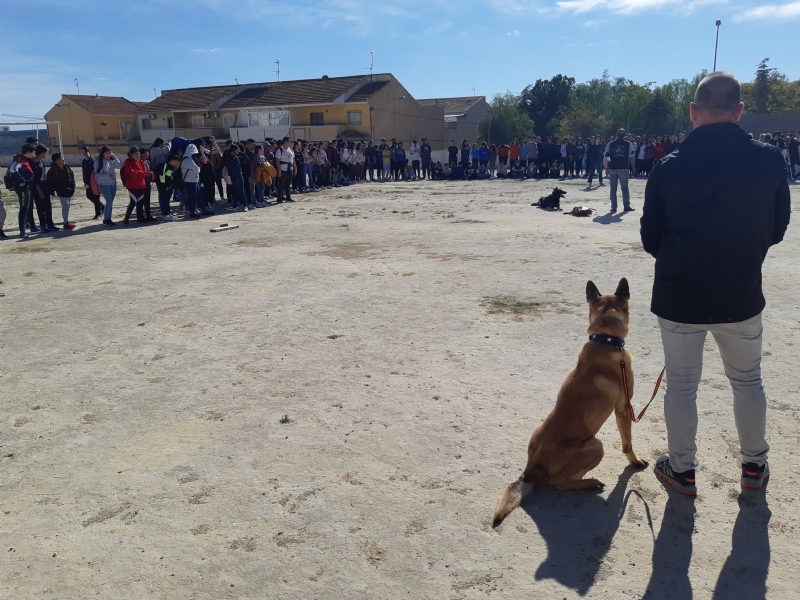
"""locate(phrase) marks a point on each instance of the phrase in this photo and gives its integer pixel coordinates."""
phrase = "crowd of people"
(249, 175)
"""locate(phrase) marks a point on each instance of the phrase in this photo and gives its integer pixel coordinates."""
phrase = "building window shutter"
(317, 118)
(354, 117)
(228, 120)
(197, 122)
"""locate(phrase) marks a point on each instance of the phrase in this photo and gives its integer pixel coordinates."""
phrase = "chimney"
(97, 95)
(325, 77)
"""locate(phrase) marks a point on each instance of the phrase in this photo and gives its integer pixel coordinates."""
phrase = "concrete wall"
(404, 119)
(79, 126)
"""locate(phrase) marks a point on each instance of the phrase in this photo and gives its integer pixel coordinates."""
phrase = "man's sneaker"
(629, 209)
(167, 218)
(126, 222)
(251, 207)
(753, 476)
(108, 223)
(24, 234)
(97, 216)
(69, 225)
(682, 482)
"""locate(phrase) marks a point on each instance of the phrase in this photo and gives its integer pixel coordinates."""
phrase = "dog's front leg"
(624, 426)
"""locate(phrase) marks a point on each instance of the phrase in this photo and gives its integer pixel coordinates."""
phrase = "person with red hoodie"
(134, 177)
(22, 174)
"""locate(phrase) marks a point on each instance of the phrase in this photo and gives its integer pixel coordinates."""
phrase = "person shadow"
(578, 528)
(672, 552)
(608, 218)
(744, 575)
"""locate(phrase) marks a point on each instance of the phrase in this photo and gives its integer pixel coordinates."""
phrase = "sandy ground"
(413, 335)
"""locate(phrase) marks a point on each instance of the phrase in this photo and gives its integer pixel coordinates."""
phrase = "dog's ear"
(591, 291)
(622, 290)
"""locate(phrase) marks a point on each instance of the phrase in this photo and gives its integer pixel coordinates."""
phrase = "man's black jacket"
(712, 209)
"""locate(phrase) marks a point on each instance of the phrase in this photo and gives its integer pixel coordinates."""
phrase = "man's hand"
(86, 186)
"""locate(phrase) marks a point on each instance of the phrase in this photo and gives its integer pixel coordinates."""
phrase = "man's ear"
(591, 291)
(622, 290)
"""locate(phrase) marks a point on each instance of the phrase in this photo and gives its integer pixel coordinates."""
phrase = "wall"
(404, 119)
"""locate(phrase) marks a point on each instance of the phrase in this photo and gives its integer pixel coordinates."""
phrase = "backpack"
(12, 179)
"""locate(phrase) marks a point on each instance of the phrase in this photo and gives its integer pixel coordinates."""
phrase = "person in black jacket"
(87, 166)
(61, 183)
(712, 210)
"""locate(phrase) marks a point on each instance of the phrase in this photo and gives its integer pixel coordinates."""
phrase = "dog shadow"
(608, 218)
(578, 528)
(744, 575)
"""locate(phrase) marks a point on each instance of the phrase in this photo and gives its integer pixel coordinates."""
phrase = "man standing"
(712, 210)
(425, 153)
(284, 165)
(532, 153)
(794, 155)
(617, 153)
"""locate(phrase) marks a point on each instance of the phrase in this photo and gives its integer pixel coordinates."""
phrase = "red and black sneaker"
(753, 476)
(682, 481)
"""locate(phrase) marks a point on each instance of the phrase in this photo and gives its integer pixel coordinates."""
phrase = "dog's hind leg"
(583, 459)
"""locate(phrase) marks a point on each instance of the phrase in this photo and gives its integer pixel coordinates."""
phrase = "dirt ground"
(327, 403)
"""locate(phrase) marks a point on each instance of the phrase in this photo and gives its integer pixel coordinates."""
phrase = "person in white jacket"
(414, 155)
(190, 174)
(105, 169)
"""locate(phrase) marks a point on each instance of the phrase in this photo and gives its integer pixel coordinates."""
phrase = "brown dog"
(564, 447)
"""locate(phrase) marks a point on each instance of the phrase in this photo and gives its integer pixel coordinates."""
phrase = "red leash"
(634, 418)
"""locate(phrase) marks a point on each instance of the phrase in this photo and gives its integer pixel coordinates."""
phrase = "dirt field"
(327, 403)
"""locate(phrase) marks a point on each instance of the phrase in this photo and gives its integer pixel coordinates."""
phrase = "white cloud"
(513, 33)
(771, 12)
(206, 50)
(629, 7)
(595, 23)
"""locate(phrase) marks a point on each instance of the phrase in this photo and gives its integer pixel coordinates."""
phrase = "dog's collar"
(609, 340)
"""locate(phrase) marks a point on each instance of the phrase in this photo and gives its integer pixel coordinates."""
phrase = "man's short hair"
(31, 140)
(719, 93)
(42, 149)
(28, 148)
(620, 133)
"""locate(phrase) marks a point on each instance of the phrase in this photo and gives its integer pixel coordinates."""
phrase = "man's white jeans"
(740, 348)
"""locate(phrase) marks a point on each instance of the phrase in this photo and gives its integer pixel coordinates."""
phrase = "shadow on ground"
(578, 528)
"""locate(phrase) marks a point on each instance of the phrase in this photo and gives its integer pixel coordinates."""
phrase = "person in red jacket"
(134, 176)
(513, 151)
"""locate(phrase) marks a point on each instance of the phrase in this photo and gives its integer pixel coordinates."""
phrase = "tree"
(546, 100)
(582, 121)
(505, 120)
(656, 115)
(762, 86)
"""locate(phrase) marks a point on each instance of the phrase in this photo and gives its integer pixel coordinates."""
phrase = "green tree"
(657, 115)
(546, 101)
(762, 86)
(505, 120)
(582, 121)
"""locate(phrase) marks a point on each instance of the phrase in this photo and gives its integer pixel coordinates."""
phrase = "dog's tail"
(511, 499)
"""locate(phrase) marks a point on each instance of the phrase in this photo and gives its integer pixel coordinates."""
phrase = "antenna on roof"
(155, 93)
(371, 61)
(278, 70)
(473, 90)
(77, 86)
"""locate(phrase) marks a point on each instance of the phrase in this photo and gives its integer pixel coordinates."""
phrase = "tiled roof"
(249, 96)
(758, 123)
(367, 91)
(453, 106)
(302, 91)
(104, 105)
(189, 98)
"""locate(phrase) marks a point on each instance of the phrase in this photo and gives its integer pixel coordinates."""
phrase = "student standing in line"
(492, 160)
(414, 154)
(44, 208)
(465, 153)
(284, 165)
(190, 175)
(452, 154)
(164, 184)
(87, 166)
(400, 160)
(425, 156)
(207, 180)
(105, 168)
(148, 215)
(513, 151)
(61, 183)
(22, 173)
(386, 155)
(134, 177)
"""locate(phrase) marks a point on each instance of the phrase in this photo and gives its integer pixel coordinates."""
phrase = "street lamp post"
(715, 45)
(394, 114)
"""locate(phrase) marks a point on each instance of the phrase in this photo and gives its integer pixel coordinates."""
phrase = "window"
(318, 118)
(197, 122)
(104, 130)
(147, 124)
(170, 123)
(354, 117)
(228, 120)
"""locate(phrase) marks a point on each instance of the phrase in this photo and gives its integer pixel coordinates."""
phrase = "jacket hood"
(191, 150)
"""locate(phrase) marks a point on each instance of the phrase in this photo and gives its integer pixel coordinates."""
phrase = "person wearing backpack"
(87, 167)
(61, 183)
(20, 174)
(105, 173)
(134, 178)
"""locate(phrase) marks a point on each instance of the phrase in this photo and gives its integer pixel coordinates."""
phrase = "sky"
(436, 48)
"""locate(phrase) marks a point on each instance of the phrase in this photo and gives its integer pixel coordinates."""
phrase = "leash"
(634, 418)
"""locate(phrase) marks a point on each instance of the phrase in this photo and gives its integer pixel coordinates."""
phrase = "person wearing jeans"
(105, 174)
(617, 153)
(712, 210)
